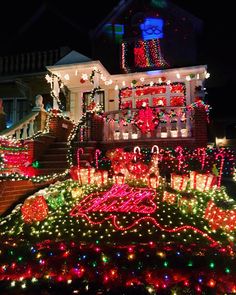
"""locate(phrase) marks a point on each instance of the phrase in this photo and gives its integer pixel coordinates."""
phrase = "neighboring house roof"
(123, 5)
(72, 58)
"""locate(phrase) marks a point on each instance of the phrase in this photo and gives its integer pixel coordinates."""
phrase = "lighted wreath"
(146, 120)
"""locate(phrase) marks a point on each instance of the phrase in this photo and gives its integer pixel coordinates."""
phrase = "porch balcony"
(175, 126)
(122, 125)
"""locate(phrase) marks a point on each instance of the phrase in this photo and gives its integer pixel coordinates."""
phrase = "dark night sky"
(217, 48)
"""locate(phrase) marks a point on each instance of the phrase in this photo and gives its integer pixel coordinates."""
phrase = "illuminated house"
(142, 87)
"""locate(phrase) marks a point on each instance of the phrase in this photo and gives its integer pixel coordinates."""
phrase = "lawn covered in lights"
(118, 235)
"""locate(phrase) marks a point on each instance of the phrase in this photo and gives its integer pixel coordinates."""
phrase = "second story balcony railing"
(170, 122)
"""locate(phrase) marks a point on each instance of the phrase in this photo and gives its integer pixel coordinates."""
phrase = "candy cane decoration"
(221, 167)
(97, 154)
(136, 148)
(179, 149)
(155, 148)
(202, 151)
(79, 150)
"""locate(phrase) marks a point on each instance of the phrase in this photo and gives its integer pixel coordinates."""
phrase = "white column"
(188, 93)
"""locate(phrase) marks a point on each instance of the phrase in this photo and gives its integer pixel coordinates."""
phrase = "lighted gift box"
(179, 182)
(219, 218)
(101, 177)
(202, 182)
(187, 205)
(86, 175)
(76, 192)
(34, 209)
(169, 197)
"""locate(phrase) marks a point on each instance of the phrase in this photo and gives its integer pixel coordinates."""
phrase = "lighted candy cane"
(136, 148)
(221, 167)
(79, 150)
(203, 158)
(97, 154)
(179, 149)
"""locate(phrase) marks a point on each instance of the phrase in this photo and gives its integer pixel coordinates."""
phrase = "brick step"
(52, 157)
(86, 156)
(53, 164)
(58, 144)
(57, 151)
(86, 143)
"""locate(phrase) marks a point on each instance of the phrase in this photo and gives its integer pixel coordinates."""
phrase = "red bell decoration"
(82, 81)
(153, 180)
(202, 182)
(34, 209)
(119, 178)
(179, 182)
(169, 197)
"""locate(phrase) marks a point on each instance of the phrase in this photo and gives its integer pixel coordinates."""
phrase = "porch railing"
(175, 122)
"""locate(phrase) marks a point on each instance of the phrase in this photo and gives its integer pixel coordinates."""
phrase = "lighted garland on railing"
(129, 114)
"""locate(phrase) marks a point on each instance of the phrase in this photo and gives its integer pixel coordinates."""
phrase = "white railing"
(24, 129)
(120, 125)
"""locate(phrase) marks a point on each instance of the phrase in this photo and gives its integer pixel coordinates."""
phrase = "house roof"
(72, 58)
(122, 5)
